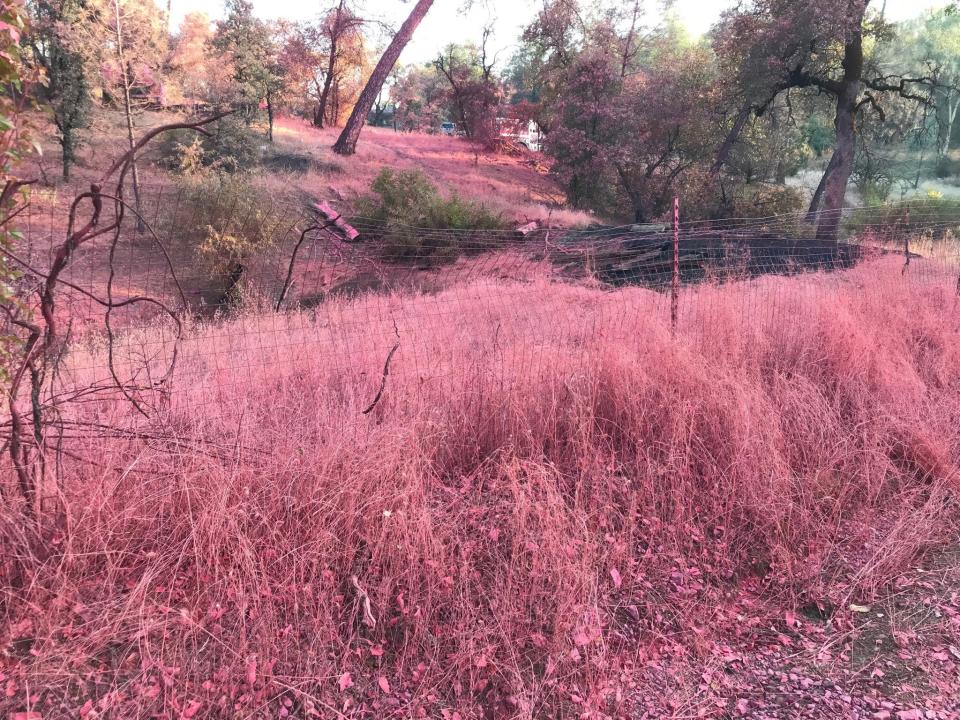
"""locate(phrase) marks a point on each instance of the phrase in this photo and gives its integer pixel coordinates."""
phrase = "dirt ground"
(895, 655)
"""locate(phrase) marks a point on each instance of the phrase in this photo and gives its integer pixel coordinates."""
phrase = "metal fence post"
(675, 283)
(906, 243)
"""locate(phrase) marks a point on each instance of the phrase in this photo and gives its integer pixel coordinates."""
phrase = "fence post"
(675, 282)
(906, 244)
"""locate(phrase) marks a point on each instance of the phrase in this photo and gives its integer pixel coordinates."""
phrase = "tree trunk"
(636, 195)
(320, 115)
(134, 172)
(724, 152)
(317, 110)
(465, 124)
(347, 142)
(835, 182)
(818, 194)
(128, 113)
(951, 117)
(270, 116)
(66, 144)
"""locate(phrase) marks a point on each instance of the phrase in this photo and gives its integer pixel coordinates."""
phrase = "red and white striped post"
(675, 284)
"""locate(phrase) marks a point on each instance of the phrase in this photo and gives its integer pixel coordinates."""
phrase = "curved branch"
(157, 241)
(869, 99)
(129, 155)
(901, 86)
(293, 259)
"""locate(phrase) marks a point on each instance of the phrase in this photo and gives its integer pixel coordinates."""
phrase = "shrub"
(874, 186)
(405, 207)
(819, 135)
(189, 159)
(931, 214)
(228, 224)
(946, 167)
(233, 144)
(761, 200)
(404, 196)
(231, 147)
(703, 199)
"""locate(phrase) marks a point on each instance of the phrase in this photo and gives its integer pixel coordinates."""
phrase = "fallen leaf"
(22, 628)
(384, 684)
(376, 651)
(790, 619)
(581, 638)
(859, 608)
(910, 715)
(252, 670)
(191, 709)
(615, 576)
(26, 716)
(345, 681)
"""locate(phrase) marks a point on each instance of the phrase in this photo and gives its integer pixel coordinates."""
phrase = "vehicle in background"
(450, 129)
(523, 133)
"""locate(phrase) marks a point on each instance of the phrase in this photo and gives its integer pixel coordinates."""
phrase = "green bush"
(231, 147)
(819, 135)
(761, 201)
(707, 200)
(931, 214)
(229, 224)
(405, 206)
(946, 167)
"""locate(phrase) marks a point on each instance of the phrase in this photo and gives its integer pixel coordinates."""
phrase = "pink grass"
(544, 456)
(509, 185)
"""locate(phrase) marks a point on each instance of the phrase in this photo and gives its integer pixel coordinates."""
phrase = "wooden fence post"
(675, 282)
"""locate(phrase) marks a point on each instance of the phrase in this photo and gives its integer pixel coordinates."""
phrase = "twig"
(383, 380)
(368, 619)
(386, 371)
(293, 260)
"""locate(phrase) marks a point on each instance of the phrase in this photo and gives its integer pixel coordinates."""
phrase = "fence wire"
(266, 296)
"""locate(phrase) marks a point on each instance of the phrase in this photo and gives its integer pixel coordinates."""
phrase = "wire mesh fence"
(204, 307)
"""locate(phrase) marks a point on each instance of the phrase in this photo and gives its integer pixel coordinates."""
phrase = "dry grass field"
(554, 510)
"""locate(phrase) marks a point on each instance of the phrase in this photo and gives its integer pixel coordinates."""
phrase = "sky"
(448, 22)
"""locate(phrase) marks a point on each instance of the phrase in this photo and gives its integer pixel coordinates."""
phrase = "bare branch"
(386, 372)
(130, 154)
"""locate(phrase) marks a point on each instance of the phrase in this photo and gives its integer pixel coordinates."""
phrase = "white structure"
(527, 134)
